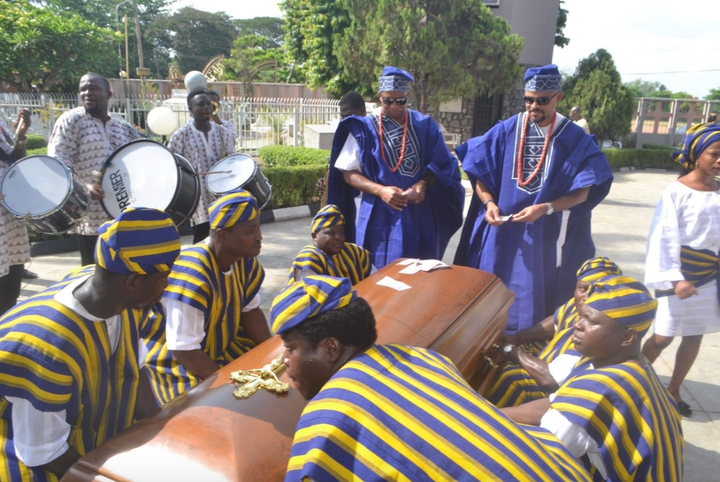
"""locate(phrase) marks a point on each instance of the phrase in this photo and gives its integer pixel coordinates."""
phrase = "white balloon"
(162, 121)
(195, 80)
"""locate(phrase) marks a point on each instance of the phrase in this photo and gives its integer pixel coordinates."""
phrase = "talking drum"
(45, 192)
(239, 171)
(144, 173)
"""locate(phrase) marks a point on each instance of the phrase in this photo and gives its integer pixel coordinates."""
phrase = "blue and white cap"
(543, 79)
(395, 78)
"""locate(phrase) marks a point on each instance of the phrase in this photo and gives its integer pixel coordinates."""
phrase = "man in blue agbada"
(71, 357)
(412, 198)
(393, 412)
(545, 171)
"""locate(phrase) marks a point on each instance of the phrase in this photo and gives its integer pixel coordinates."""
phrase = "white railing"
(259, 121)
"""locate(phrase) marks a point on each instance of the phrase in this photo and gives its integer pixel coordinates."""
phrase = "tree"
(254, 59)
(102, 13)
(40, 49)
(269, 27)
(560, 39)
(645, 88)
(312, 27)
(193, 36)
(713, 95)
(596, 86)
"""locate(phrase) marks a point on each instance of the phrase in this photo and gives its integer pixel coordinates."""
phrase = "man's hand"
(24, 115)
(95, 190)
(531, 213)
(394, 197)
(492, 214)
(685, 289)
(416, 193)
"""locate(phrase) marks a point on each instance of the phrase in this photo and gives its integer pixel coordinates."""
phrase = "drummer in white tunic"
(203, 143)
(84, 138)
(682, 259)
(14, 243)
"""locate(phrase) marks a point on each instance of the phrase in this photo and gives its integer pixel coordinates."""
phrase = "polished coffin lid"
(206, 434)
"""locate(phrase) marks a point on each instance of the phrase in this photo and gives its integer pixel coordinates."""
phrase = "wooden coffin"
(206, 434)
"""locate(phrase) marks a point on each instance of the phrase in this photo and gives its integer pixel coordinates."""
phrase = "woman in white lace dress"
(682, 258)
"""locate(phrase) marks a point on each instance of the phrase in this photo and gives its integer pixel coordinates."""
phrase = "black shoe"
(684, 409)
(27, 274)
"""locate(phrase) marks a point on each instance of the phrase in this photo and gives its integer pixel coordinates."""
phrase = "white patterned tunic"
(203, 153)
(84, 143)
(6, 137)
(14, 242)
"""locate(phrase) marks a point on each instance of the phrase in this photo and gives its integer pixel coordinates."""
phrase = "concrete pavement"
(620, 227)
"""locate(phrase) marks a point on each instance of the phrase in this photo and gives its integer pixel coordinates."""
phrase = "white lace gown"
(683, 217)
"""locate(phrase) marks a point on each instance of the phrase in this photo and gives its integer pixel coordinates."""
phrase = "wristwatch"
(550, 209)
(507, 349)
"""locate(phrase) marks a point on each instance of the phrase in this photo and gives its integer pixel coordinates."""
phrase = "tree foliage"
(40, 48)
(102, 13)
(193, 36)
(269, 27)
(453, 49)
(713, 95)
(560, 39)
(645, 88)
(254, 59)
(596, 86)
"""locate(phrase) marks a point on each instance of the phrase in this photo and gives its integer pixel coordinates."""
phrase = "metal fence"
(259, 121)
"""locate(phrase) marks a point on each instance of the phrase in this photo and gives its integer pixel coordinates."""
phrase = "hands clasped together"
(398, 199)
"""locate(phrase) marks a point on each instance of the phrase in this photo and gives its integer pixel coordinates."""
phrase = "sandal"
(684, 409)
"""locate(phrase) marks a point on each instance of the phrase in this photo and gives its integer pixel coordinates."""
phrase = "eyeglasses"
(539, 100)
(390, 100)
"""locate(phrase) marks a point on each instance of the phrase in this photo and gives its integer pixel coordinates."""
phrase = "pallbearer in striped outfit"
(330, 254)
(612, 407)
(212, 300)
(393, 412)
(71, 356)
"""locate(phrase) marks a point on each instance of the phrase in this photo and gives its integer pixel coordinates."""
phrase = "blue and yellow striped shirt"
(353, 262)
(406, 414)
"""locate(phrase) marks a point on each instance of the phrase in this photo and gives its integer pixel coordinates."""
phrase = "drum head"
(242, 169)
(35, 186)
(139, 174)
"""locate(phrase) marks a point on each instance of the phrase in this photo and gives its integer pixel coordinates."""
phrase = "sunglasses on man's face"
(390, 100)
(539, 100)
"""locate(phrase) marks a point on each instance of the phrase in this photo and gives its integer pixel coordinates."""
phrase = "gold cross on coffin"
(257, 378)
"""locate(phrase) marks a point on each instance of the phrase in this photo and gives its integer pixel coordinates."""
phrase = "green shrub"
(286, 156)
(650, 145)
(295, 185)
(40, 151)
(35, 141)
(641, 158)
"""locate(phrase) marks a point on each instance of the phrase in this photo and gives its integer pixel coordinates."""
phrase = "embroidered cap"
(395, 78)
(624, 303)
(597, 268)
(543, 79)
(139, 241)
(697, 139)
(234, 207)
(327, 217)
(307, 298)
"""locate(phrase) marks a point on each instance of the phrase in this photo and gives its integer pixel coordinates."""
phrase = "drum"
(241, 172)
(45, 192)
(144, 173)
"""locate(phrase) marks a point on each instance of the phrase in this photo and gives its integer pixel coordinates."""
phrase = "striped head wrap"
(327, 217)
(596, 268)
(543, 79)
(395, 78)
(307, 298)
(139, 241)
(697, 139)
(624, 303)
(234, 207)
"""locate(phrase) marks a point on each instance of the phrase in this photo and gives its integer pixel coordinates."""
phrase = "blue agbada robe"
(524, 255)
(419, 230)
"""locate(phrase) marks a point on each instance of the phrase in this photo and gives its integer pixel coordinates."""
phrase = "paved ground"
(620, 227)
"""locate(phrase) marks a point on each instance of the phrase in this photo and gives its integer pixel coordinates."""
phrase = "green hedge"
(41, 151)
(294, 185)
(650, 145)
(35, 141)
(285, 156)
(641, 158)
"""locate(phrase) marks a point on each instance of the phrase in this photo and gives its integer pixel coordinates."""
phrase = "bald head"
(576, 113)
